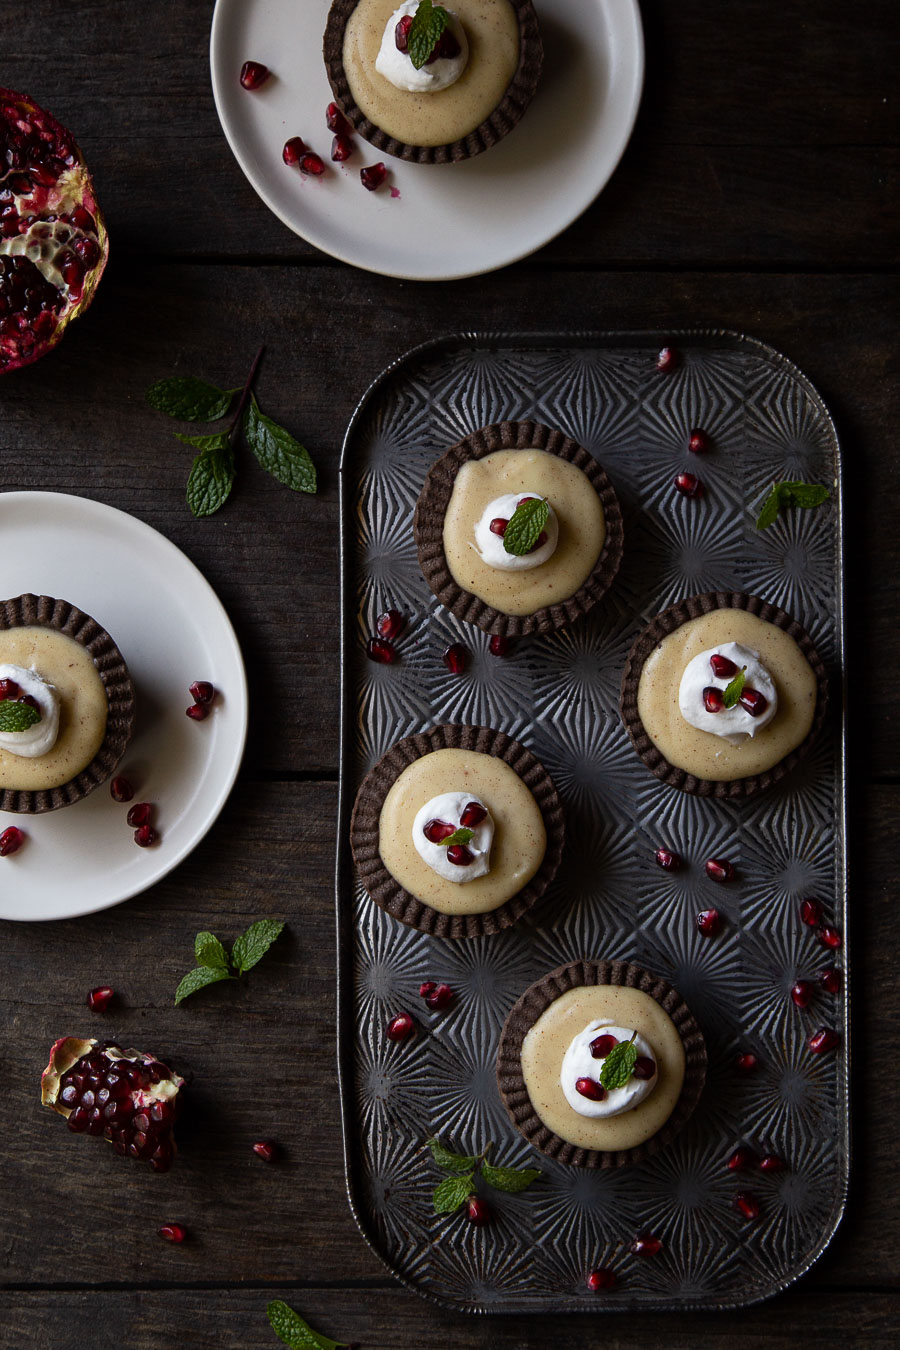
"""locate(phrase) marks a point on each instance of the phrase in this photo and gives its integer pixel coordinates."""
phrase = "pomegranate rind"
(63, 1054)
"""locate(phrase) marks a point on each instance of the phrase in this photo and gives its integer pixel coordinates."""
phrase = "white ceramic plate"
(171, 628)
(449, 220)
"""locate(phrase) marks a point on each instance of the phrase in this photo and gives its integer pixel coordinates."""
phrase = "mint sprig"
(461, 835)
(733, 690)
(295, 1332)
(429, 22)
(790, 492)
(455, 1189)
(213, 471)
(17, 716)
(215, 964)
(619, 1064)
(525, 525)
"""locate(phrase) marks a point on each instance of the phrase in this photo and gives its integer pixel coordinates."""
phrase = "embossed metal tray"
(558, 694)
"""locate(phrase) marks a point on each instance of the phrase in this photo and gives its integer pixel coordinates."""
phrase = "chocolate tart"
(428, 528)
(46, 612)
(536, 1000)
(508, 112)
(384, 888)
(667, 622)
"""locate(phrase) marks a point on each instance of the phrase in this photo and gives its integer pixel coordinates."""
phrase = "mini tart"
(511, 103)
(537, 1000)
(365, 824)
(434, 499)
(647, 642)
(45, 612)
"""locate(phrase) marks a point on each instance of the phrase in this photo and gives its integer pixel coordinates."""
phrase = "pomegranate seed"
(498, 525)
(830, 980)
(667, 359)
(436, 831)
(801, 993)
(266, 1149)
(753, 702)
(460, 855)
(427, 987)
(688, 484)
(698, 442)
(644, 1067)
(477, 1211)
(197, 712)
(810, 912)
(312, 163)
(590, 1088)
(539, 542)
(600, 1279)
(719, 869)
(772, 1163)
(382, 652)
(173, 1232)
(741, 1159)
(829, 937)
(667, 860)
(98, 1000)
(646, 1244)
(447, 47)
(400, 1027)
(336, 121)
(11, 840)
(390, 624)
(121, 790)
(201, 691)
(523, 500)
(254, 74)
(145, 836)
(9, 689)
(722, 666)
(713, 701)
(341, 148)
(373, 176)
(456, 658)
(600, 1046)
(140, 814)
(746, 1061)
(823, 1040)
(440, 997)
(30, 701)
(709, 921)
(401, 33)
(473, 814)
(746, 1204)
(500, 645)
(293, 151)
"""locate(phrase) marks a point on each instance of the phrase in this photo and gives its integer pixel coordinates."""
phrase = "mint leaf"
(525, 525)
(452, 1192)
(451, 1162)
(459, 836)
(17, 716)
(429, 22)
(510, 1179)
(735, 688)
(295, 1332)
(790, 492)
(619, 1065)
(251, 946)
(199, 978)
(212, 473)
(277, 451)
(209, 951)
(190, 400)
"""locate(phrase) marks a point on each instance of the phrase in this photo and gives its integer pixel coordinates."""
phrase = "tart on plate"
(480, 75)
(600, 1064)
(457, 831)
(518, 529)
(723, 694)
(66, 703)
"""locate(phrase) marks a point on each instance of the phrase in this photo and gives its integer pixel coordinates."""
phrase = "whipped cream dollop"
(490, 544)
(397, 67)
(449, 809)
(38, 739)
(733, 724)
(579, 1062)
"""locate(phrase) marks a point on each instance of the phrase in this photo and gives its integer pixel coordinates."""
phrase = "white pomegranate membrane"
(579, 1062)
(732, 724)
(489, 543)
(449, 809)
(396, 66)
(38, 739)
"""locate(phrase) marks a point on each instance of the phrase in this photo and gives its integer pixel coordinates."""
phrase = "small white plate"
(449, 220)
(171, 628)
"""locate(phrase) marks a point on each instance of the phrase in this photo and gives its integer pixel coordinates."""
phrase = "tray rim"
(531, 340)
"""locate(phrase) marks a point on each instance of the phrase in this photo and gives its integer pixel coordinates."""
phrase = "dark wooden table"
(759, 193)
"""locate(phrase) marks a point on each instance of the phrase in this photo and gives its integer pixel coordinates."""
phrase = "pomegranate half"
(53, 244)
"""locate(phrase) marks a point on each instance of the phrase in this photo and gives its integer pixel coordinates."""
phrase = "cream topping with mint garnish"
(622, 1082)
(745, 675)
(496, 528)
(698, 751)
(617, 1008)
(67, 666)
(40, 736)
(431, 117)
(397, 65)
(519, 839)
(453, 833)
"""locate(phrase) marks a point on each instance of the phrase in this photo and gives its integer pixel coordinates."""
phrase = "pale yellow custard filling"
(64, 663)
(519, 842)
(701, 752)
(446, 115)
(547, 1041)
(579, 511)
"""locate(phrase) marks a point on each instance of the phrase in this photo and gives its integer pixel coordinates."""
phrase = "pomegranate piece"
(473, 814)
(129, 1097)
(709, 921)
(99, 999)
(477, 1211)
(140, 814)
(667, 860)
(741, 1159)
(336, 121)
(121, 790)
(459, 855)
(722, 666)
(771, 1162)
(829, 937)
(341, 148)
(600, 1279)
(600, 1046)
(498, 525)
(173, 1232)
(201, 691)
(439, 997)
(831, 980)
(747, 1205)
(266, 1149)
(373, 175)
(382, 652)
(713, 701)
(9, 690)
(500, 645)
(698, 442)
(746, 1061)
(11, 840)
(590, 1088)
(644, 1067)
(801, 993)
(823, 1040)
(810, 912)
(719, 869)
(197, 712)
(646, 1244)
(293, 150)
(53, 244)
(145, 835)
(401, 33)
(688, 484)
(312, 163)
(456, 658)
(254, 74)
(753, 702)
(390, 624)
(666, 359)
(400, 1027)
(436, 831)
